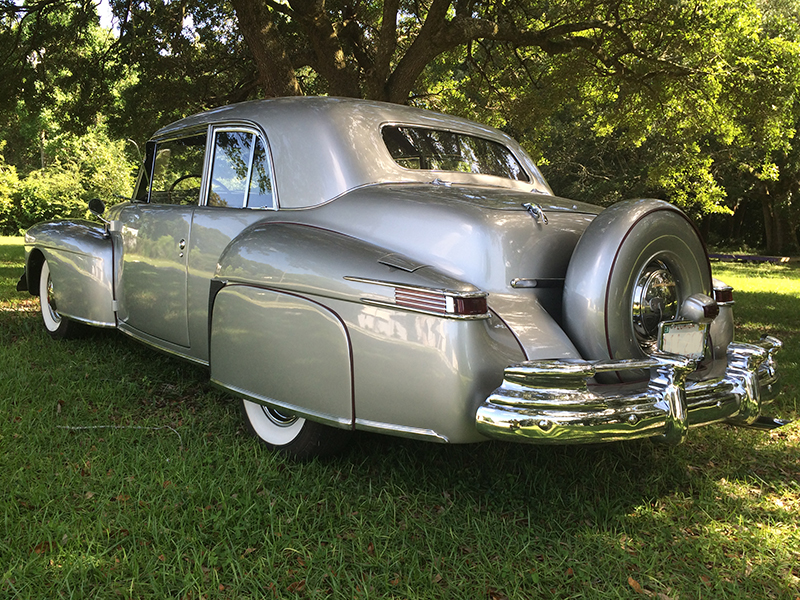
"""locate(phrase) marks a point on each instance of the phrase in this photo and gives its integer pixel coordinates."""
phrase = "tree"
(691, 100)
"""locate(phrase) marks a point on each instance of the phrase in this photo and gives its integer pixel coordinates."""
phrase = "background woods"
(692, 101)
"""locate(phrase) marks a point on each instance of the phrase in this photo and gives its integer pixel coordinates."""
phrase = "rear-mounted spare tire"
(634, 266)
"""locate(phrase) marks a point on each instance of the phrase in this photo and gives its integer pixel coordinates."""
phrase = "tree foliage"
(695, 101)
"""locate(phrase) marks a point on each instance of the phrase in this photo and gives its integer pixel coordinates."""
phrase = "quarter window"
(240, 171)
(232, 158)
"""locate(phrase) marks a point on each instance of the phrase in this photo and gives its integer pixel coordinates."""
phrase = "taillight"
(723, 294)
(442, 302)
(448, 303)
(471, 306)
(417, 299)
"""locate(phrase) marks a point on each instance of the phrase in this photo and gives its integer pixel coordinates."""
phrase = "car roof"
(322, 147)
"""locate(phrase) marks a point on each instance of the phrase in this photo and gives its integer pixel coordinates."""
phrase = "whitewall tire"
(295, 436)
(57, 326)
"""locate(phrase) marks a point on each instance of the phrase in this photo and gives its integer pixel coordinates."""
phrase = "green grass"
(168, 497)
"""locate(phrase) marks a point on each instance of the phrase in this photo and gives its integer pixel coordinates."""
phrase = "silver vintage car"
(348, 265)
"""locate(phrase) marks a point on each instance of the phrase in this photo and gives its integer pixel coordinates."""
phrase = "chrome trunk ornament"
(536, 211)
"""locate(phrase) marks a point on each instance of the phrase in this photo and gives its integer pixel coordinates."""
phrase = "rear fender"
(282, 306)
(310, 260)
(81, 260)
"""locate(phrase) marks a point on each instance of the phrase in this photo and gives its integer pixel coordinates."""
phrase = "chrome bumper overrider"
(556, 401)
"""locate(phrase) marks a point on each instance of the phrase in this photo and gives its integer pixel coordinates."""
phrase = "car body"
(343, 264)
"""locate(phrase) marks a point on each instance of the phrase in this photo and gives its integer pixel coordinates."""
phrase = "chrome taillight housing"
(723, 293)
(432, 301)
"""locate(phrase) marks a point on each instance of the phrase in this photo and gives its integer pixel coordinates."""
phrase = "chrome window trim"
(187, 133)
(213, 131)
(212, 147)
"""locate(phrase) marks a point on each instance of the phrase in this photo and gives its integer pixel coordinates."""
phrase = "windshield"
(436, 150)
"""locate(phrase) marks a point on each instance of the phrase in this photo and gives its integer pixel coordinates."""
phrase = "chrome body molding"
(401, 430)
(556, 401)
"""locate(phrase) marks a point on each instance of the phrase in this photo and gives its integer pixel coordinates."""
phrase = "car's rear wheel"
(634, 266)
(58, 326)
(295, 436)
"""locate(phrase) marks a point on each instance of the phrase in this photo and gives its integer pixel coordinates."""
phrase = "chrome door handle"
(182, 244)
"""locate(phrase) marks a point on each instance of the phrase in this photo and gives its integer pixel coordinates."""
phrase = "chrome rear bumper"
(556, 401)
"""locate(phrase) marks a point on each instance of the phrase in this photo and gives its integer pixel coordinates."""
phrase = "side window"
(178, 170)
(240, 171)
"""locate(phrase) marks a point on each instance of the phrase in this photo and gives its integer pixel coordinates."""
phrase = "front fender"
(81, 260)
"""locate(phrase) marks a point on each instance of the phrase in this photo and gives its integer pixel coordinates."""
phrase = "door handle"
(182, 244)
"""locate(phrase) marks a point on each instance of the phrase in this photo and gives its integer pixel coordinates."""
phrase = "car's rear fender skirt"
(282, 350)
(81, 261)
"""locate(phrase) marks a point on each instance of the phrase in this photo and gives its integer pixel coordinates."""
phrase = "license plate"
(683, 337)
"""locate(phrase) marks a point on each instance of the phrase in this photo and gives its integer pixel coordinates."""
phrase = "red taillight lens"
(440, 302)
(471, 306)
(723, 295)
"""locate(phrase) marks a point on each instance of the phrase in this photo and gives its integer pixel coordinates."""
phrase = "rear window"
(436, 150)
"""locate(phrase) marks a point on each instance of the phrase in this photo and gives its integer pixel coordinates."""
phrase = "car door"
(155, 234)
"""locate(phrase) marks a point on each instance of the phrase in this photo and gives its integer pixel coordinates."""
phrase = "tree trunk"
(329, 58)
(275, 71)
(771, 233)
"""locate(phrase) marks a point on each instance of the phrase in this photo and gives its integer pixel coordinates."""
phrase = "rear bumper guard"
(557, 401)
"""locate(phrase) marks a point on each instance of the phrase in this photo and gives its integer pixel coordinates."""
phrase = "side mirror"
(97, 207)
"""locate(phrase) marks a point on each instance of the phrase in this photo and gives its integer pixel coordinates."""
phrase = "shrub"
(79, 168)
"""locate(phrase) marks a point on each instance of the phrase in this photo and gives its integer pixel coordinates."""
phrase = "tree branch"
(330, 59)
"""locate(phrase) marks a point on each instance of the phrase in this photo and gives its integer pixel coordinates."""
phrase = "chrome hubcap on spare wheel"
(655, 299)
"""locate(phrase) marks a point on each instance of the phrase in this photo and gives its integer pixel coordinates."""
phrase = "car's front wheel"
(295, 436)
(58, 326)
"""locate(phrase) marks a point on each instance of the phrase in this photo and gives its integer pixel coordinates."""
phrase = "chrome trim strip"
(419, 288)
(99, 324)
(400, 430)
(443, 315)
(556, 401)
(156, 344)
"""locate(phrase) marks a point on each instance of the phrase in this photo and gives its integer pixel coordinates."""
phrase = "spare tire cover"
(618, 253)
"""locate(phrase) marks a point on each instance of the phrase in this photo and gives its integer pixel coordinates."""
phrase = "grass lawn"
(125, 475)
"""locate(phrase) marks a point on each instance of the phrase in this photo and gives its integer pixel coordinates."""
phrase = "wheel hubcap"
(51, 301)
(278, 418)
(655, 299)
